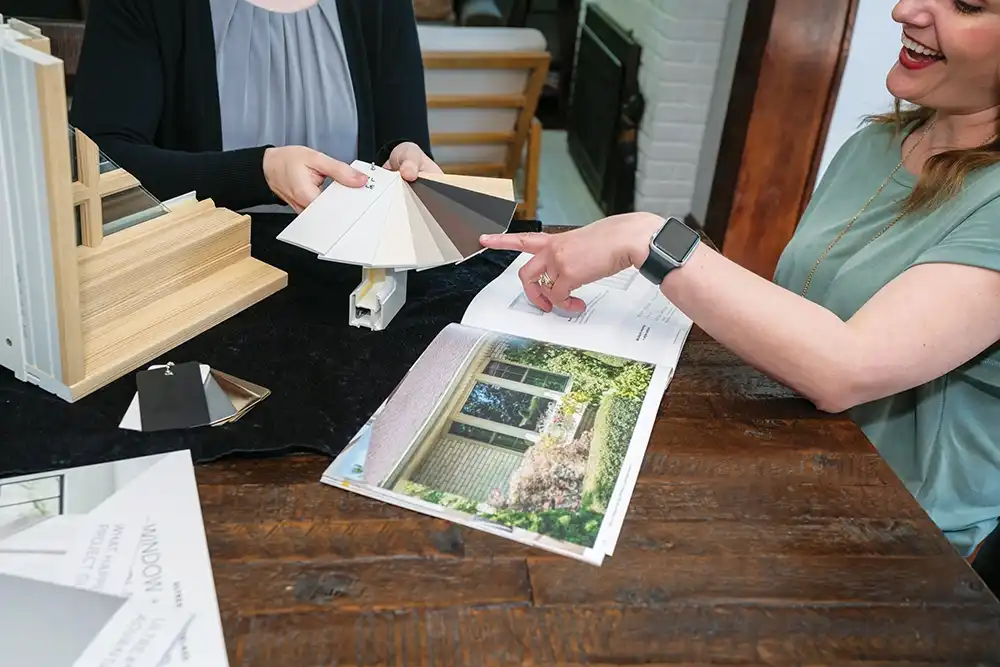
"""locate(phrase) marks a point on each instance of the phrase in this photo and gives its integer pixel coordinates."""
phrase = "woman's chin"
(901, 86)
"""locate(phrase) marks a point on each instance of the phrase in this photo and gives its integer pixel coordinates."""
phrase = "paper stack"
(108, 566)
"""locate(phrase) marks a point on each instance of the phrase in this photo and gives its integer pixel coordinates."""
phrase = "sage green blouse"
(943, 438)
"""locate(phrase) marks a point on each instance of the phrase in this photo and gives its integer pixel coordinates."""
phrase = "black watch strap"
(655, 268)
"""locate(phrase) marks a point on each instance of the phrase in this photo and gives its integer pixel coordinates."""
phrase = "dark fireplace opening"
(605, 110)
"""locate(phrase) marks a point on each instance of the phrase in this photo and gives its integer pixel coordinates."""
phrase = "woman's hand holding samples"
(296, 174)
(410, 160)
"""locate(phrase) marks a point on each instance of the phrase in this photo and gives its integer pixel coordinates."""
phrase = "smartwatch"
(669, 248)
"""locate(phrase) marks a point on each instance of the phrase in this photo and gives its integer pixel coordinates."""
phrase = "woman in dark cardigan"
(253, 102)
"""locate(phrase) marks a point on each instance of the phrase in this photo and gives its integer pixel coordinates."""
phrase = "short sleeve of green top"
(943, 438)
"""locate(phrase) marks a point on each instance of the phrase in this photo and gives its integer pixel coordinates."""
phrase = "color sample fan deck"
(392, 223)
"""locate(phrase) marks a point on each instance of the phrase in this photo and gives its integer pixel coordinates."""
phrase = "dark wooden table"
(761, 531)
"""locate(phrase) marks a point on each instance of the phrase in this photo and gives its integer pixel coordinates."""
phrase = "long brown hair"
(943, 174)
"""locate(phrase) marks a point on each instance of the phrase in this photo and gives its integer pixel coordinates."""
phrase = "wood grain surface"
(786, 85)
(761, 531)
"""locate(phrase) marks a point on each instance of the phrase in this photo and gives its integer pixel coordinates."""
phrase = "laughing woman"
(886, 302)
(253, 102)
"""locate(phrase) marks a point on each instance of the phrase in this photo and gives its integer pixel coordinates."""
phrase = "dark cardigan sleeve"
(118, 102)
(400, 97)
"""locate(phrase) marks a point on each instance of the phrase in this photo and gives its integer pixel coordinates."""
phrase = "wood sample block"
(97, 277)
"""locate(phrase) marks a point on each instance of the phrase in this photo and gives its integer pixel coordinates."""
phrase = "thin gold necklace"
(847, 227)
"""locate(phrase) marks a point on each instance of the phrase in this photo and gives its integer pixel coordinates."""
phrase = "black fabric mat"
(325, 376)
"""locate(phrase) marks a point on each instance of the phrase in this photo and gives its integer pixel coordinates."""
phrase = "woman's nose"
(916, 13)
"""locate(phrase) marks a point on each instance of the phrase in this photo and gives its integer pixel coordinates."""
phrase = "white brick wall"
(681, 46)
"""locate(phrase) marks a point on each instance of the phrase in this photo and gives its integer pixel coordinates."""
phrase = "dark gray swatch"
(499, 211)
(172, 397)
(463, 227)
(481, 224)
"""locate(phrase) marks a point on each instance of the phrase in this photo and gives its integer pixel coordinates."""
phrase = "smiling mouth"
(919, 52)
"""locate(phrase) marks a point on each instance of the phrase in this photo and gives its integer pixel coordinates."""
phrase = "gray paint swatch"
(419, 213)
(462, 226)
(498, 211)
(472, 219)
(219, 405)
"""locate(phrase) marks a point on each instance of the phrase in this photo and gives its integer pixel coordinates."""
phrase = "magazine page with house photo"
(535, 441)
(626, 315)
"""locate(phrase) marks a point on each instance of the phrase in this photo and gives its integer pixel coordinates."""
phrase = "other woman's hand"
(296, 174)
(572, 259)
(409, 160)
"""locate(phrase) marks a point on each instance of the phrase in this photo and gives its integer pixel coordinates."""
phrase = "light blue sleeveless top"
(284, 78)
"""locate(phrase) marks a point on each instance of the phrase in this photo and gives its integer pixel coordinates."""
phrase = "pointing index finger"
(530, 242)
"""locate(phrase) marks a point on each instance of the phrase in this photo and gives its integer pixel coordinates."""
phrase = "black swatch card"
(172, 398)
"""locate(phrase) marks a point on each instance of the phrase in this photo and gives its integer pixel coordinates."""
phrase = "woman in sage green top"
(886, 302)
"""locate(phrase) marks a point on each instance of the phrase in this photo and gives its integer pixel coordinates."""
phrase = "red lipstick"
(907, 60)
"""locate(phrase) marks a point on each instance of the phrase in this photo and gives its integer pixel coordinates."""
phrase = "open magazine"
(526, 424)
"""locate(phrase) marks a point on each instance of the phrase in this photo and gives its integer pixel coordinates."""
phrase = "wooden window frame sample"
(74, 318)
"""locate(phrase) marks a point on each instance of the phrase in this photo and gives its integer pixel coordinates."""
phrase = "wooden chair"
(482, 103)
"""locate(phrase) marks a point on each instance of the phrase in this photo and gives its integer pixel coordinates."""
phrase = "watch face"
(675, 239)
